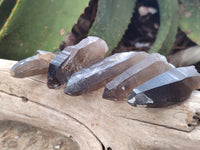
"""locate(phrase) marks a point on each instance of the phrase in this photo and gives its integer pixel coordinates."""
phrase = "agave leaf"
(190, 19)
(112, 20)
(38, 24)
(6, 7)
(168, 26)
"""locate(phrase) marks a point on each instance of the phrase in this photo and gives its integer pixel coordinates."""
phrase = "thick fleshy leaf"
(190, 19)
(6, 7)
(38, 24)
(168, 26)
(112, 20)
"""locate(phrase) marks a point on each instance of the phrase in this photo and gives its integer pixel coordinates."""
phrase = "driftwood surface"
(96, 123)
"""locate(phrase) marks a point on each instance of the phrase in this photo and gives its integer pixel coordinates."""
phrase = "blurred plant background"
(164, 26)
(28, 25)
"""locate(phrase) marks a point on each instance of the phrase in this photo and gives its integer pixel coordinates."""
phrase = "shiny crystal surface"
(73, 58)
(34, 65)
(99, 74)
(121, 86)
(167, 88)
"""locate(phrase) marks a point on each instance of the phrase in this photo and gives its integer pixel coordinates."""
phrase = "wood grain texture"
(96, 123)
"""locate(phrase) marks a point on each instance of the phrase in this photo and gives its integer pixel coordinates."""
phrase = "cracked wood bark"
(96, 123)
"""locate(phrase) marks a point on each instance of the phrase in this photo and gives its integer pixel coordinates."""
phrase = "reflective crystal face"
(73, 58)
(121, 86)
(167, 88)
(99, 74)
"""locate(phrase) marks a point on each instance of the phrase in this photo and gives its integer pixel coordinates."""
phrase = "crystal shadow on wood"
(171, 87)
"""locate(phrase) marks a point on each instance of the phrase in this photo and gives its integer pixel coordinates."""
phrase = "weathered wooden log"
(96, 123)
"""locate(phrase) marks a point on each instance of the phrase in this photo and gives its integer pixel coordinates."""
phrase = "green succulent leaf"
(6, 7)
(190, 19)
(38, 24)
(112, 20)
(168, 26)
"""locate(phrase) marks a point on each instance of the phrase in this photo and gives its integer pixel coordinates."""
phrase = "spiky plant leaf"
(112, 20)
(168, 26)
(38, 24)
(6, 7)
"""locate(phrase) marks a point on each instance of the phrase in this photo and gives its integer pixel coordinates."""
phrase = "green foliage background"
(37, 24)
(29, 25)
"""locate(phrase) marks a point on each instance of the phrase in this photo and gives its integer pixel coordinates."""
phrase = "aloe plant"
(112, 20)
(37, 24)
(168, 26)
(6, 7)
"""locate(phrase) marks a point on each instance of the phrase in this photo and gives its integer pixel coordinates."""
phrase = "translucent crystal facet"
(121, 86)
(167, 88)
(73, 58)
(34, 65)
(99, 74)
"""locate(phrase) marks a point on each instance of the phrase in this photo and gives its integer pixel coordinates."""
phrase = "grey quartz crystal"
(99, 74)
(122, 85)
(170, 87)
(73, 58)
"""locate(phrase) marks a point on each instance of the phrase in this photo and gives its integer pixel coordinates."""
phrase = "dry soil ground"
(18, 136)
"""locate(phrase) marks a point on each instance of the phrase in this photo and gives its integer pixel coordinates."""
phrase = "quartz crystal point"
(121, 86)
(73, 58)
(99, 74)
(34, 65)
(166, 89)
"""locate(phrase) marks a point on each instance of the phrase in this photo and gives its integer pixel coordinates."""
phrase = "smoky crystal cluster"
(168, 88)
(145, 80)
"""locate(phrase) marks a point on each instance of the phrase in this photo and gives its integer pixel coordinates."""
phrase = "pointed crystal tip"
(170, 87)
(107, 94)
(139, 100)
(12, 73)
(53, 84)
(17, 70)
(72, 90)
(34, 65)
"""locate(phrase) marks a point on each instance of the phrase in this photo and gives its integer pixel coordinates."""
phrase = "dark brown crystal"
(171, 87)
(121, 86)
(73, 58)
(99, 74)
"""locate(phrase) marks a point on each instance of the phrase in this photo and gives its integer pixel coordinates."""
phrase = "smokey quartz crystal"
(34, 65)
(99, 74)
(73, 58)
(121, 86)
(171, 87)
